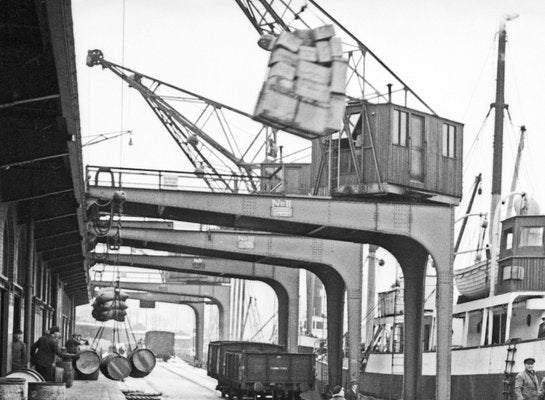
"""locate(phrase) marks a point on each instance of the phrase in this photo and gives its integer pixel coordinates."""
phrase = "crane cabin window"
(449, 141)
(531, 236)
(401, 128)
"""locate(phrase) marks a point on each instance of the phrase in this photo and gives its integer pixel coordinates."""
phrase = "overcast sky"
(445, 50)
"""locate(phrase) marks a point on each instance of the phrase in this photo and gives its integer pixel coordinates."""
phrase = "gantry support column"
(413, 260)
(311, 278)
(199, 330)
(288, 315)
(443, 304)
(334, 287)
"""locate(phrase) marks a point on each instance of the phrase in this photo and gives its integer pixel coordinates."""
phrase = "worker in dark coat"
(18, 351)
(527, 386)
(43, 353)
(352, 392)
(541, 330)
(72, 344)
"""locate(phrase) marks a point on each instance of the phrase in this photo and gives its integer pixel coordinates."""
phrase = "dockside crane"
(369, 81)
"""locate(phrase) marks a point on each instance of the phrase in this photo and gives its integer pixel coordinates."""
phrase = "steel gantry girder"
(219, 295)
(337, 264)
(195, 303)
(284, 281)
(410, 231)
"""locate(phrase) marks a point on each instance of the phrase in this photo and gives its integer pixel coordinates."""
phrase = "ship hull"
(477, 372)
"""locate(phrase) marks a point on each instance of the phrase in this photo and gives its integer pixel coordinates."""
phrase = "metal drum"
(115, 367)
(87, 365)
(142, 362)
(46, 391)
(12, 389)
(29, 375)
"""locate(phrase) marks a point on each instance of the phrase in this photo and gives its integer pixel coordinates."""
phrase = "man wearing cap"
(43, 353)
(18, 351)
(527, 386)
(338, 393)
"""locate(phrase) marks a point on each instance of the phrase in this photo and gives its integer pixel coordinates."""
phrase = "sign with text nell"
(281, 208)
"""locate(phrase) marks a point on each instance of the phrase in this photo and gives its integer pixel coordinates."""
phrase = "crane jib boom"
(146, 92)
(173, 120)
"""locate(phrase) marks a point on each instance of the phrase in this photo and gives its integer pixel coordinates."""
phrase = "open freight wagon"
(216, 358)
(160, 343)
(282, 375)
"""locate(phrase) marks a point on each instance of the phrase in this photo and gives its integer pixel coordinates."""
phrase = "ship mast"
(499, 105)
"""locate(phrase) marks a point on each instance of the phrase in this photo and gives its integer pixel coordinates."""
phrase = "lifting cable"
(467, 157)
(122, 83)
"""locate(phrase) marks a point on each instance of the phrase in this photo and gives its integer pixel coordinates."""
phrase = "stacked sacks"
(110, 304)
(304, 90)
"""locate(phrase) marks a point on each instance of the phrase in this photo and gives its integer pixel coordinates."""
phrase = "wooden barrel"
(87, 365)
(46, 391)
(29, 375)
(142, 362)
(12, 389)
(115, 367)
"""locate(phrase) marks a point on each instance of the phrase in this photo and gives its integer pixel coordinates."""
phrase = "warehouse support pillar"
(334, 287)
(29, 283)
(199, 331)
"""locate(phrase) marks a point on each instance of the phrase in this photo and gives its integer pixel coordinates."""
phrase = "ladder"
(508, 372)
